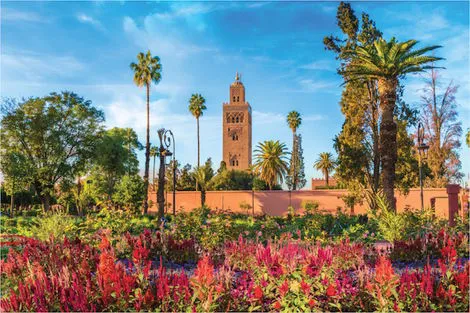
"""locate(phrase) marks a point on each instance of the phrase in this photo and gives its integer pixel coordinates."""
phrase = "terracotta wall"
(276, 202)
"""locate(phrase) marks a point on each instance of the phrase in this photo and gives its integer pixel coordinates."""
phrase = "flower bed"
(246, 275)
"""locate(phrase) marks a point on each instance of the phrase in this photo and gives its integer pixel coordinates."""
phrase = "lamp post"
(167, 139)
(422, 149)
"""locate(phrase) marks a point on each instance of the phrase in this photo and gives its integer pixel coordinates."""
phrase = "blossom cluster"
(282, 275)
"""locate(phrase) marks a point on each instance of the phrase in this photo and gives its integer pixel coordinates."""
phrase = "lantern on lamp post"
(422, 151)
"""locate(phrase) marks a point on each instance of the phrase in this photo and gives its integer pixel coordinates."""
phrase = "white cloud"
(86, 19)
(310, 85)
(33, 67)
(326, 65)
(13, 15)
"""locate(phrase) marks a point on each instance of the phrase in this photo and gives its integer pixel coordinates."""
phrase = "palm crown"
(197, 105)
(271, 163)
(294, 120)
(325, 162)
(147, 69)
(389, 60)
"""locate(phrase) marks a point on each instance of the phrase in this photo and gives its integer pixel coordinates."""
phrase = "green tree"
(468, 138)
(387, 62)
(197, 107)
(115, 157)
(14, 175)
(186, 180)
(325, 163)
(271, 162)
(294, 120)
(54, 136)
(357, 145)
(129, 192)
(147, 70)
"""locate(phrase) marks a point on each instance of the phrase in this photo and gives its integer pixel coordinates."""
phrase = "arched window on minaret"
(233, 98)
(237, 119)
(238, 99)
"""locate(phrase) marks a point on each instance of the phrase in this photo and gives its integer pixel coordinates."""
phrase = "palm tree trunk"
(294, 160)
(198, 151)
(147, 154)
(326, 178)
(388, 137)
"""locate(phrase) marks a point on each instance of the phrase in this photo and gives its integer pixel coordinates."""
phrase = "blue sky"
(87, 47)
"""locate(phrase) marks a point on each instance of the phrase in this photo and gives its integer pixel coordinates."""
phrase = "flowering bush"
(286, 274)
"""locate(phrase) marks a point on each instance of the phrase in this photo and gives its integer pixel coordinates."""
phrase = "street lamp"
(422, 149)
(166, 140)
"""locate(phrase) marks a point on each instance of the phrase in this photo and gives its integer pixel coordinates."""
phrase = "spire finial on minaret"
(237, 77)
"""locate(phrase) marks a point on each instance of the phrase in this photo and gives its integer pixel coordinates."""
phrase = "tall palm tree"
(294, 120)
(154, 153)
(147, 70)
(271, 162)
(325, 163)
(197, 107)
(387, 62)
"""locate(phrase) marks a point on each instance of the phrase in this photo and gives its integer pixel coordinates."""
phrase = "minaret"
(236, 131)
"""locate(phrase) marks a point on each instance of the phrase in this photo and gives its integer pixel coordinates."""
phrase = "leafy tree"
(387, 62)
(294, 120)
(53, 137)
(147, 70)
(115, 157)
(442, 131)
(232, 180)
(186, 180)
(129, 192)
(271, 164)
(358, 143)
(299, 167)
(197, 107)
(14, 175)
(325, 163)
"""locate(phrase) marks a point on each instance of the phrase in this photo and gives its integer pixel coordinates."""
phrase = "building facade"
(236, 130)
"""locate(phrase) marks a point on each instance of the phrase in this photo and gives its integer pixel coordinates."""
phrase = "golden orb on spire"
(237, 77)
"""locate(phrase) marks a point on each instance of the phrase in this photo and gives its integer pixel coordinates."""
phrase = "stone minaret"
(237, 128)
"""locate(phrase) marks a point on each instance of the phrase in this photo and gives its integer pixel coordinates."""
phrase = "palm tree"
(147, 70)
(294, 120)
(325, 164)
(386, 62)
(203, 180)
(197, 107)
(154, 153)
(271, 163)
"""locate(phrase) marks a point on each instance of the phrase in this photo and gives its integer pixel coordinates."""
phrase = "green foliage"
(57, 225)
(391, 225)
(50, 139)
(271, 163)
(115, 156)
(128, 192)
(310, 206)
(231, 180)
(297, 180)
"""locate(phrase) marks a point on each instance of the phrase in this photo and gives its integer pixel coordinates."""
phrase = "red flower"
(305, 287)
(383, 270)
(331, 291)
(284, 288)
(258, 293)
(312, 303)
(277, 305)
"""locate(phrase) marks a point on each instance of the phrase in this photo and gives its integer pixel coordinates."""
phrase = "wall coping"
(296, 191)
